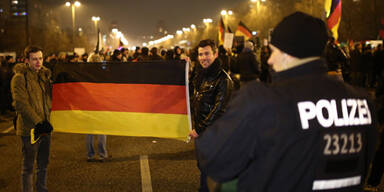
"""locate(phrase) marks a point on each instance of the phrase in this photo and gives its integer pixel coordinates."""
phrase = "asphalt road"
(171, 164)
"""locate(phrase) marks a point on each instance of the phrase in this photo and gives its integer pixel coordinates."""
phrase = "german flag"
(129, 99)
(221, 31)
(243, 31)
(229, 30)
(333, 13)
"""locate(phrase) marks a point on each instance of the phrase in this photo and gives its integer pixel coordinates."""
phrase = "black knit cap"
(300, 35)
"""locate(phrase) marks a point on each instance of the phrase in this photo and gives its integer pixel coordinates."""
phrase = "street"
(172, 164)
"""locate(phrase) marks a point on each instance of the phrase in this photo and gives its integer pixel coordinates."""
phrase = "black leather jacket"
(212, 88)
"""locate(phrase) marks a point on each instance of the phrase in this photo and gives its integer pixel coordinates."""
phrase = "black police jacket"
(212, 89)
(307, 131)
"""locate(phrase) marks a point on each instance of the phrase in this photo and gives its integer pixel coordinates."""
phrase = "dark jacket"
(31, 93)
(292, 135)
(212, 88)
(335, 57)
(248, 66)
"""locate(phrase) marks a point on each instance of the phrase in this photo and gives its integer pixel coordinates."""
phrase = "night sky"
(139, 17)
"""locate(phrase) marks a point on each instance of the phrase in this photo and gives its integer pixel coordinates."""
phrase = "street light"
(179, 32)
(95, 20)
(225, 13)
(207, 21)
(73, 5)
(186, 29)
(256, 1)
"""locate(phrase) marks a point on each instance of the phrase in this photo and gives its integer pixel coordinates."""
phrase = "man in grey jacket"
(31, 93)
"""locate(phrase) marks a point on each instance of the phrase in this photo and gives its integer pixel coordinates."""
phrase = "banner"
(228, 40)
(129, 99)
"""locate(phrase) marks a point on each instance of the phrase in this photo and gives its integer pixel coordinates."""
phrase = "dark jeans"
(40, 152)
(377, 165)
(203, 180)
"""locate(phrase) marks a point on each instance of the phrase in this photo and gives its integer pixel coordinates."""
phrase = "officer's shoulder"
(255, 89)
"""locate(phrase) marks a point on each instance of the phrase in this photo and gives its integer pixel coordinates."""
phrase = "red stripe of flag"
(245, 31)
(144, 98)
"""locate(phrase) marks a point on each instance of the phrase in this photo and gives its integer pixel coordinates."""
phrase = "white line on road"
(8, 130)
(145, 174)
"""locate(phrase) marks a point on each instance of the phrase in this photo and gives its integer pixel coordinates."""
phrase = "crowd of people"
(265, 132)
(360, 64)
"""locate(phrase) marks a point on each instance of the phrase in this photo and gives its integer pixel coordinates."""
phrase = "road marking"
(146, 183)
(8, 130)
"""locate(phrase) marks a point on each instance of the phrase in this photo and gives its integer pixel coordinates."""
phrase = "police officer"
(307, 131)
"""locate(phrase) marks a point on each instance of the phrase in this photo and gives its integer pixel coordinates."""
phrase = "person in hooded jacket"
(31, 93)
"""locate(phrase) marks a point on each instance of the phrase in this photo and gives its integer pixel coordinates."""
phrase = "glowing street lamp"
(73, 5)
(186, 29)
(207, 21)
(95, 20)
(179, 32)
(77, 4)
(225, 14)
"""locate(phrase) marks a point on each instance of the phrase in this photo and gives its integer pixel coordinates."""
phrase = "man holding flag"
(212, 88)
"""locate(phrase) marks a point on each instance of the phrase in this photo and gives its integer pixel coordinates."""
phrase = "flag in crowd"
(221, 31)
(333, 13)
(128, 99)
(229, 30)
(243, 31)
(121, 44)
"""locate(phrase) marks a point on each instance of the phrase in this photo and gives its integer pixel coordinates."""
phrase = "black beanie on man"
(300, 35)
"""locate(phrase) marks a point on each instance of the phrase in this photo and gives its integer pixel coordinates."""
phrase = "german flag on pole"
(129, 99)
(221, 31)
(333, 13)
(243, 30)
(229, 30)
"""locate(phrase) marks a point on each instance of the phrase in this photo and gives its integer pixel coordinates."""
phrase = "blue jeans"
(40, 152)
(102, 149)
